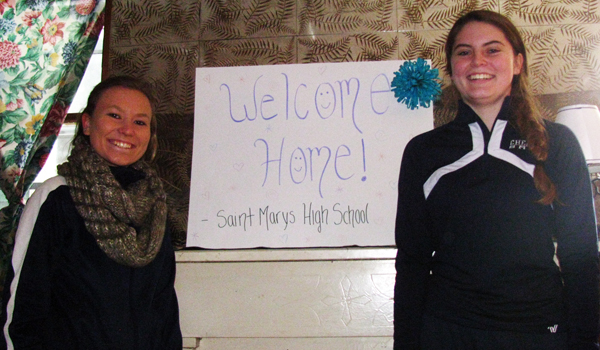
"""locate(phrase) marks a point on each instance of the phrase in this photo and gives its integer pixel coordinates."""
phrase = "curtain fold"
(45, 46)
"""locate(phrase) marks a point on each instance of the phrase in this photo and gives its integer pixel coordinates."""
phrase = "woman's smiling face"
(483, 64)
(119, 129)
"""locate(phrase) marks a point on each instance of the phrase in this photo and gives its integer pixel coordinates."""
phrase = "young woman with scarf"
(93, 266)
(483, 202)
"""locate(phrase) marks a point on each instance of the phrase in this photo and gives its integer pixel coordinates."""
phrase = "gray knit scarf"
(112, 214)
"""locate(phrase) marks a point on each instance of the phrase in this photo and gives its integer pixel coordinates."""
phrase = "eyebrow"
(143, 115)
(149, 116)
(486, 44)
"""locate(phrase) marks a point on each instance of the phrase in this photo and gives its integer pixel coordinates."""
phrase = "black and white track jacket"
(474, 247)
(65, 293)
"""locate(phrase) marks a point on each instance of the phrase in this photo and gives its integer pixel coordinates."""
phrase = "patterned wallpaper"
(164, 41)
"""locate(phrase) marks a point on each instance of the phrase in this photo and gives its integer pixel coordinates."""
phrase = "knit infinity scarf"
(128, 225)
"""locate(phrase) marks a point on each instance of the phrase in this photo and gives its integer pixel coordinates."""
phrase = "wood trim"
(278, 255)
(106, 42)
(71, 118)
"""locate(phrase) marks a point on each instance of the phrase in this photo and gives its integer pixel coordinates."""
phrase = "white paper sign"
(303, 155)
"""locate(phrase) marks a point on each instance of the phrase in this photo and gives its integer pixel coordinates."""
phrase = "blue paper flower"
(416, 84)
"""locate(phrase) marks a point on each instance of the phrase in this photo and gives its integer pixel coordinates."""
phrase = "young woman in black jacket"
(482, 202)
(93, 266)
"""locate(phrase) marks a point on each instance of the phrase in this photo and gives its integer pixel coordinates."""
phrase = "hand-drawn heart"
(238, 166)
(272, 194)
(322, 70)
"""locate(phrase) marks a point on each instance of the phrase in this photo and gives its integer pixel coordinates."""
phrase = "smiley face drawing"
(325, 100)
(298, 166)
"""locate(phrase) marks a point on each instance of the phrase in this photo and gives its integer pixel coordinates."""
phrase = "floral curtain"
(45, 46)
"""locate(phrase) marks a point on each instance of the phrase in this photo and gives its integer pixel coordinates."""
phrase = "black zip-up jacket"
(68, 294)
(474, 246)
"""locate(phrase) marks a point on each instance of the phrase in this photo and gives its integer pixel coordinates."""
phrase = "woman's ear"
(85, 123)
(518, 64)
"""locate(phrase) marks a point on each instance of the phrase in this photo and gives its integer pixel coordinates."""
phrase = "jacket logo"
(553, 329)
(520, 144)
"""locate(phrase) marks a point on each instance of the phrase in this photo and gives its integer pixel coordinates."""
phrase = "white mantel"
(272, 299)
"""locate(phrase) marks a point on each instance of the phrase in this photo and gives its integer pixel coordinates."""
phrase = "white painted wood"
(368, 343)
(190, 343)
(286, 294)
(187, 256)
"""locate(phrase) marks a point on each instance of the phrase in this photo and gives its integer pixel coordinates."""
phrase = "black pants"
(438, 334)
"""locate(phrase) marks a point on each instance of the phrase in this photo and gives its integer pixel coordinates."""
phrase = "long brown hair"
(527, 116)
(124, 82)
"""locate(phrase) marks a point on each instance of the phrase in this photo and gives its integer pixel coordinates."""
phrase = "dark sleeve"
(414, 253)
(34, 258)
(5, 296)
(166, 303)
(577, 242)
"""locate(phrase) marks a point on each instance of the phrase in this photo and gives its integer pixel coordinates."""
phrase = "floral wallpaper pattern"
(45, 46)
